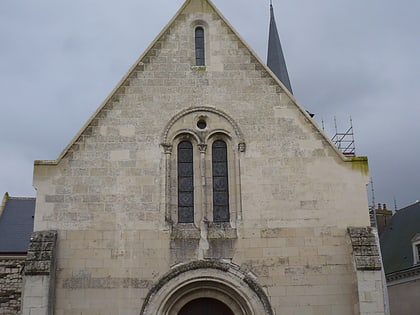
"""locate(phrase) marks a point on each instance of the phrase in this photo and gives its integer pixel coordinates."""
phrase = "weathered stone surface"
(87, 282)
(221, 249)
(41, 253)
(365, 249)
(184, 249)
(10, 285)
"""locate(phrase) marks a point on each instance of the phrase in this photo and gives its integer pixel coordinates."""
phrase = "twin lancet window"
(220, 180)
(202, 148)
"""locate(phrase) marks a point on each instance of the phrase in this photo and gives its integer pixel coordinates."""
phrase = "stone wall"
(38, 291)
(404, 296)
(112, 198)
(10, 285)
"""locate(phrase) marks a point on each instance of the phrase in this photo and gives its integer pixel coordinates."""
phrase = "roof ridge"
(22, 198)
(409, 207)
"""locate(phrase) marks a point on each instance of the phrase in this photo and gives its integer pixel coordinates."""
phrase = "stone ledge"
(221, 231)
(185, 231)
(404, 274)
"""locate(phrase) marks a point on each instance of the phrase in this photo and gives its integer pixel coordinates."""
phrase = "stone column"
(368, 270)
(168, 151)
(39, 274)
(203, 216)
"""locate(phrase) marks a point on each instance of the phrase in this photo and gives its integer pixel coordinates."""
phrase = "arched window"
(185, 183)
(202, 147)
(220, 182)
(199, 47)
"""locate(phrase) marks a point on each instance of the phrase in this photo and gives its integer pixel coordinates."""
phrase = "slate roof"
(396, 247)
(275, 57)
(16, 224)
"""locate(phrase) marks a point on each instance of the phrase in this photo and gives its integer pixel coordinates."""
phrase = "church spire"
(275, 57)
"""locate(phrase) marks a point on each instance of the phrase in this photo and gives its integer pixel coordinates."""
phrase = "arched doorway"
(206, 288)
(205, 306)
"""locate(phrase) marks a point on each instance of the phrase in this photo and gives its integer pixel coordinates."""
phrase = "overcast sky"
(361, 58)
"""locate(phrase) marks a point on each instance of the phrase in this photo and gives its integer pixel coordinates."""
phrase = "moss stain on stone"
(360, 163)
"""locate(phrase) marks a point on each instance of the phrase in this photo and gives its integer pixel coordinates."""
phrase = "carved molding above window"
(213, 116)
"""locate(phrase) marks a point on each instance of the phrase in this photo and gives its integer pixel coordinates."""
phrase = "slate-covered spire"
(275, 57)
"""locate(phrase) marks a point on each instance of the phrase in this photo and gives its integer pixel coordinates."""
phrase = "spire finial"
(275, 57)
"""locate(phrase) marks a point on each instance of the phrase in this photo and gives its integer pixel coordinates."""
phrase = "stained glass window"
(199, 47)
(220, 182)
(185, 183)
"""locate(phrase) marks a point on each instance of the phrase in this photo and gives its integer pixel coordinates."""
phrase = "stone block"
(41, 253)
(365, 250)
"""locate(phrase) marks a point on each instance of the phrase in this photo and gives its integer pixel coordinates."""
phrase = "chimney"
(385, 206)
(379, 206)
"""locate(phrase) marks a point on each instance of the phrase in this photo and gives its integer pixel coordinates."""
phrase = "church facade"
(200, 185)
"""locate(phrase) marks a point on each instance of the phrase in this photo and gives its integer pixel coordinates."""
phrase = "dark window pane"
(219, 144)
(185, 145)
(185, 169)
(199, 47)
(219, 155)
(185, 199)
(219, 169)
(220, 182)
(185, 214)
(220, 198)
(185, 151)
(220, 214)
(185, 182)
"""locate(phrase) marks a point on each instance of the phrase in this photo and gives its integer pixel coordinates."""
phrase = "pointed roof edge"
(275, 56)
(3, 202)
(146, 51)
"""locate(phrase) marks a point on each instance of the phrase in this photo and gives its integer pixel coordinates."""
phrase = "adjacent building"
(400, 247)
(16, 226)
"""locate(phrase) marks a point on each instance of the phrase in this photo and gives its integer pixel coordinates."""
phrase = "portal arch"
(215, 281)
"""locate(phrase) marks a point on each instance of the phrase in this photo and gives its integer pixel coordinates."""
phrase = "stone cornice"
(403, 275)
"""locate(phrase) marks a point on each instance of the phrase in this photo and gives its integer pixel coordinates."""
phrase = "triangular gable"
(123, 81)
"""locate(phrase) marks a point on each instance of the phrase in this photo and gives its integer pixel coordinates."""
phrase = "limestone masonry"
(202, 185)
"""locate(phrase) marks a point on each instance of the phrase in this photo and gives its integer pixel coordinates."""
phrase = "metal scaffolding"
(345, 140)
